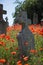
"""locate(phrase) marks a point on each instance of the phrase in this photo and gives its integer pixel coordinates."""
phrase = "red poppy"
(17, 27)
(13, 53)
(41, 31)
(7, 37)
(6, 49)
(9, 28)
(2, 60)
(19, 62)
(12, 40)
(16, 48)
(41, 49)
(33, 51)
(25, 58)
(2, 43)
(2, 35)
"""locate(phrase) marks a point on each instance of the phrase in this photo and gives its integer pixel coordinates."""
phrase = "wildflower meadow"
(9, 50)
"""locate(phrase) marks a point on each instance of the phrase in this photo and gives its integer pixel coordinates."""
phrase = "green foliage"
(30, 6)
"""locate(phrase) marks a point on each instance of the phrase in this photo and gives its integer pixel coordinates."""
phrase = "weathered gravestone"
(21, 16)
(41, 21)
(35, 18)
(7, 24)
(25, 37)
(2, 22)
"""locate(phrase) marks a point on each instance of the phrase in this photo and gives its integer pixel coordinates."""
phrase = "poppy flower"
(33, 51)
(36, 29)
(2, 35)
(2, 43)
(2, 60)
(19, 62)
(7, 37)
(16, 48)
(12, 40)
(25, 58)
(17, 27)
(41, 49)
(9, 28)
(41, 32)
(13, 53)
(6, 49)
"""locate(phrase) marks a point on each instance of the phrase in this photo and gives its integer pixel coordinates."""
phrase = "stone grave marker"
(21, 16)
(41, 21)
(35, 18)
(2, 22)
(25, 37)
(7, 24)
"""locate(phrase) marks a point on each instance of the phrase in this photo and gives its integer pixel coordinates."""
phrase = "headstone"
(7, 24)
(2, 22)
(35, 18)
(21, 16)
(41, 21)
(25, 38)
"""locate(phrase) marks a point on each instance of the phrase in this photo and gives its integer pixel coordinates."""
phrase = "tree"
(30, 6)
